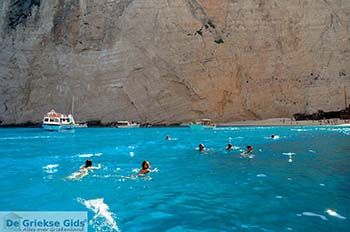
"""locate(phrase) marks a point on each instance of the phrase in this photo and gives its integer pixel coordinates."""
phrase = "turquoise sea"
(299, 181)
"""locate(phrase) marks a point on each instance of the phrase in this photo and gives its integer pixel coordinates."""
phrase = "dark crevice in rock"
(199, 13)
(342, 74)
(315, 76)
(211, 24)
(19, 11)
(25, 124)
(94, 123)
(199, 32)
(6, 108)
(321, 115)
(219, 41)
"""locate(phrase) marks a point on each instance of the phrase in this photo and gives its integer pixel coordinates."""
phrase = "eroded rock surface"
(167, 61)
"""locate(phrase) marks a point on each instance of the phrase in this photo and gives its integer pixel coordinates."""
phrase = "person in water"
(146, 168)
(201, 147)
(248, 151)
(88, 165)
(84, 170)
(229, 147)
(272, 136)
(167, 137)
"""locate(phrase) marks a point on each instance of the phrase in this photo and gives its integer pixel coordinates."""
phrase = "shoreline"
(251, 123)
(286, 122)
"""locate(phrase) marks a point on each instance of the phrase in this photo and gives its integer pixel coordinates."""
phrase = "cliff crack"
(19, 11)
(199, 13)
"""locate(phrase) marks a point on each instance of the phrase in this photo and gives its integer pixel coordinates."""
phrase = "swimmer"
(88, 165)
(275, 137)
(201, 147)
(247, 152)
(84, 170)
(167, 137)
(145, 168)
(229, 147)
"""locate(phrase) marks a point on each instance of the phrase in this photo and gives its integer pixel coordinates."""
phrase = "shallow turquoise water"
(215, 191)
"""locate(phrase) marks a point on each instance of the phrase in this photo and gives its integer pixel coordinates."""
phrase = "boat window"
(46, 120)
(52, 120)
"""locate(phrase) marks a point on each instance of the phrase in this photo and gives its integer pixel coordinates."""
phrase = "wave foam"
(288, 153)
(334, 214)
(50, 168)
(299, 130)
(89, 155)
(310, 214)
(226, 128)
(27, 137)
(103, 219)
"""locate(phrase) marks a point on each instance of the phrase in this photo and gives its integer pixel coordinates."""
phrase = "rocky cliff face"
(166, 61)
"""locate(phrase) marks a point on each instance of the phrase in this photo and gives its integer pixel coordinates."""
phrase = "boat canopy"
(53, 114)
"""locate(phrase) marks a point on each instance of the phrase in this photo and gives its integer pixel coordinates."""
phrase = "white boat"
(81, 125)
(56, 121)
(202, 124)
(127, 124)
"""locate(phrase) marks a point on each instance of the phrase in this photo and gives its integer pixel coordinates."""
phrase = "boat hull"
(56, 127)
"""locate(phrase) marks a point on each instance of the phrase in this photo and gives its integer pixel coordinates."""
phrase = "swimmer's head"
(167, 137)
(145, 164)
(201, 147)
(272, 136)
(88, 163)
(249, 148)
(229, 146)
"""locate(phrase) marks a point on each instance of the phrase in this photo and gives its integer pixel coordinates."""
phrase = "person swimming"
(248, 152)
(229, 147)
(167, 137)
(274, 137)
(88, 165)
(145, 168)
(201, 147)
(84, 170)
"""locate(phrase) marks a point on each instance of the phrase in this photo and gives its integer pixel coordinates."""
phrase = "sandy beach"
(285, 122)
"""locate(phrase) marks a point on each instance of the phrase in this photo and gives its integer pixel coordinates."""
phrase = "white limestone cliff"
(168, 61)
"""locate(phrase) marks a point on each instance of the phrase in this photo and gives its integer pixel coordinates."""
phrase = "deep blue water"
(212, 191)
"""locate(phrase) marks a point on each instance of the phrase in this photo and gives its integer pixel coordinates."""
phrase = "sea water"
(299, 181)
